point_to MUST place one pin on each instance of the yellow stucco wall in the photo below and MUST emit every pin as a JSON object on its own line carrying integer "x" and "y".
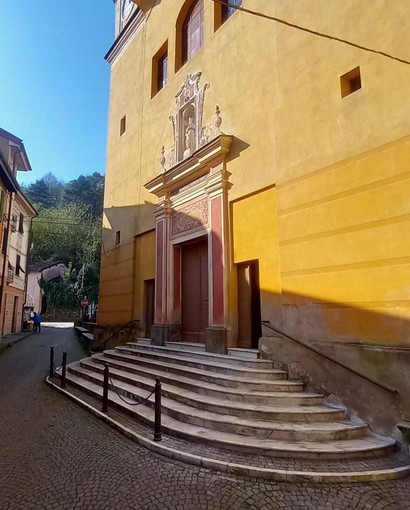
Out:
{"x": 255, "y": 237}
{"x": 339, "y": 164}
{"x": 116, "y": 285}
{"x": 345, "y": 250}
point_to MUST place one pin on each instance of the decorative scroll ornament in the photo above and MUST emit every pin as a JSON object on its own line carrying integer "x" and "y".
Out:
{"x": 186, "y": 118}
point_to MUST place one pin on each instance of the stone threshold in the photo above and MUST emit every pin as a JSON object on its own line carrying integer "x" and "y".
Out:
{"x": 288, "y": 470}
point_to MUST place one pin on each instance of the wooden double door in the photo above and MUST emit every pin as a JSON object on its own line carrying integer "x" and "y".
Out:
{"x": 194, "y": 290}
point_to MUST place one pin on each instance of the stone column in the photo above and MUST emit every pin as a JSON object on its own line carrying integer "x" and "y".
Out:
{"x": 160, "y": 330}
{"x": 218, "y": 242}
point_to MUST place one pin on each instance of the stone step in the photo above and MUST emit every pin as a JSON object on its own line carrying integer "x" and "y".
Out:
{"x": 225, "y": 393}
{"x": 143, "y": 341}
{"x": 243, "y": 353}
{"x": 213, "y": 413}
{"x": 206, "y": 356}
{"x": 239, "y": 409}
{"x": 190, "y": 346}
{"x": 224, "y": 380}
{"x": 220, "y": 368}
{"x": 368, "y": 447}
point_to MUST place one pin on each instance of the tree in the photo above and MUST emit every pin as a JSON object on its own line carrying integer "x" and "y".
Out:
{"x": 70, "y": 235}
{"x": 46, "y": 192}
{"x": 87, "y": 191}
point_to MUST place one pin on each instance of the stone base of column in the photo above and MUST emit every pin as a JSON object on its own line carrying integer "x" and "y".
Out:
{"x": 161, "y": 333}
{"x": 216, "y": 339}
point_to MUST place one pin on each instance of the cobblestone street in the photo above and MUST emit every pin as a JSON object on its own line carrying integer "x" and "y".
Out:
{"x": 56, "y": 456}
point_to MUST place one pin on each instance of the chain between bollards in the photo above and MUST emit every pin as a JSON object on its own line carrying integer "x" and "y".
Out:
{"x": 63, "y": 370}
{"x": 157, "y": 408}
{"x": 104, "y": 407}
{"x": 51, "y": 369}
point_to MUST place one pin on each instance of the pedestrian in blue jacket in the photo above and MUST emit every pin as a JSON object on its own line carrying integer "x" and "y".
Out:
{"x": 37, "y": 322}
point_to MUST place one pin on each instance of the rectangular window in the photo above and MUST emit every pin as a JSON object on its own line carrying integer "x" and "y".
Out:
{"x": 18, "y": 265}
{"x": 117, "y": 237}
{"x": 162, "y": 72}
{"x": 21, "y": 224}
{"x": 159, "y": 69}
{"x": 350, "y": 82}
{"x": 227, "y": 10}
{"x": 123, "y": 125}
{"x": 5, "y": 239}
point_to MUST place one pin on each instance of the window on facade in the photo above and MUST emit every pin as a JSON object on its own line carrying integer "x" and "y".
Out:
{"x": 193, "y": 30}
{"x": 350, "y": 82}
{"x": 4, "y": 241}
{"x": 160, "y": 70}
{"x": 123, "y": 125}
{"x": 21, "y": 224}
{"x": 117, "y": 237}
{"x": 227, "y": 11}
{"x": 18, "y": 265}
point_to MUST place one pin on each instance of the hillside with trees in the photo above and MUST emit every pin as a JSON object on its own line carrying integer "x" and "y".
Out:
{"x": 68, "y": 230}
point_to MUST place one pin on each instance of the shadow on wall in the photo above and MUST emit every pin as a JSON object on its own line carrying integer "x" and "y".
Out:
{"x": 118, "y": 263}
{"x": 375, "y": 343}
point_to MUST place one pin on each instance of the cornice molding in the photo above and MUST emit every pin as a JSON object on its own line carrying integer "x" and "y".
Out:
{"x": 125, "y": 37}
{"x": 191, "y": 168}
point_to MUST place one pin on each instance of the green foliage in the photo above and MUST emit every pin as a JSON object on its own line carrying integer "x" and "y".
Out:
{"x": 45, "y": 192}
{"x": 61, "y": 294}
{"x": 87, "y": 191}
{"x": 68, "y": 230}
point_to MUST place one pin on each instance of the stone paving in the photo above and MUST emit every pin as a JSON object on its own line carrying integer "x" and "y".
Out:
{"x": 56, "y": 456}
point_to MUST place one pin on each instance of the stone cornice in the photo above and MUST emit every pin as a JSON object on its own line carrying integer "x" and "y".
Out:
{"x": 125, "y": 37}
{"x": 191, "y": 168}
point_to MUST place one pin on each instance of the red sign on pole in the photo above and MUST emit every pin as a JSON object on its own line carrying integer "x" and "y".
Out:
{"x": 84, "y": 303}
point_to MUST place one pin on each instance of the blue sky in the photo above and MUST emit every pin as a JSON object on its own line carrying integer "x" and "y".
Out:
{"x": 54, "y": 82}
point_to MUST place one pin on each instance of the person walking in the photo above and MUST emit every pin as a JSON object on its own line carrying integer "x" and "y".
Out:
{"x": 37, "y": 322}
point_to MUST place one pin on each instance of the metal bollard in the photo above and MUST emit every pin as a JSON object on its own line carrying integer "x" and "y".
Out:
{"x": 63, "y": 370}
{"x": 157, "y": 408}
{"x": 51, "y": 369}
{"x": 104, "y": 407}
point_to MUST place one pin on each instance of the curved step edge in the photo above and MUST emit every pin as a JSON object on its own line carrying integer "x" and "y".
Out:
{"x": 239, "y": 469}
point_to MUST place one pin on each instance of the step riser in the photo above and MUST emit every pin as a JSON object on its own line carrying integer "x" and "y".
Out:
{"x": 226, "y": 369}
{"x": 259, "y": 414}
{"x": 187, "y": 346}
{"x": 243, "y": 353}
{"x": 286, "y": 435}
{"x": 227, "y": 360}
{"x": 212, "y": 423}
{"x": 237, "y": 447}
{"x": 255, "y": 385}
{"x": 249, "y": 450}
{"x": 202, "y": 389}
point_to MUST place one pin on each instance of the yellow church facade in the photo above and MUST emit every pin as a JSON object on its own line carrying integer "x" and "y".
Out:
{"x": 258, "y": 172}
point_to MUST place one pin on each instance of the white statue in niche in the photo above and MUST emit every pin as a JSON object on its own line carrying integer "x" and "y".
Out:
{"x": 189, "y": 138}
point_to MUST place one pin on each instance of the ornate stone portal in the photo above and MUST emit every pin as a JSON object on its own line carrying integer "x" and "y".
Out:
{"x": 192, "y": 190}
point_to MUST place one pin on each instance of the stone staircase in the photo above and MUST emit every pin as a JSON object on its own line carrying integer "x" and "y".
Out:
{"x": 238, "y": 405}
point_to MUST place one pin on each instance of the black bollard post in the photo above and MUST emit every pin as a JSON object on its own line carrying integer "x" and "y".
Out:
{"x": 63, "y": 370}
{"x": 51, "y": 369}
{"x": 157, "y": 409}
{"x": 104, "y": 407}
